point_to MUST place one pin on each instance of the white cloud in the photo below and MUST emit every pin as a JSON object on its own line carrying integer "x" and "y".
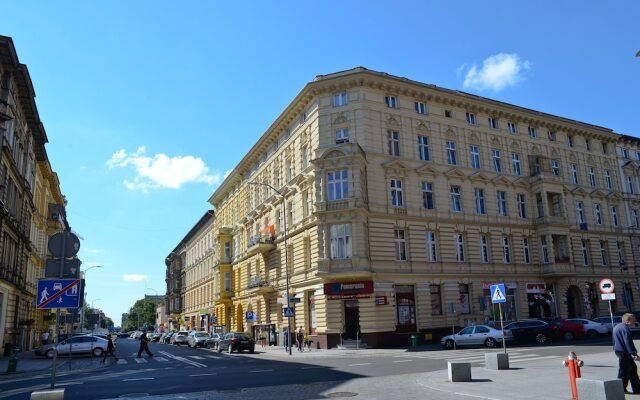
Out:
{"x": 134, "y": 277}
{"x": 498, "y": 72}
{"x": 227, "y": 174}
{"x": 162, "y": 171}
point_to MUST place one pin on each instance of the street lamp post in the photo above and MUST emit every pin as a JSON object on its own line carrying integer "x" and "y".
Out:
{"x": 94, "y": 300}
{"x": 82, "y": 275}
{"x": 286, "y": 256}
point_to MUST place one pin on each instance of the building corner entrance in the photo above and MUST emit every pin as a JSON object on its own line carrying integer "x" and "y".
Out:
{"x": 351, "y": 319}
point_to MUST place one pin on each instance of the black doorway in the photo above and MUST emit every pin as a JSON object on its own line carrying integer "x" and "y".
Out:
{"x": 351, "y": 319}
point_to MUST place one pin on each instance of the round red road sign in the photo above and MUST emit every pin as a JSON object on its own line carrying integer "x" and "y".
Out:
{"x": 606, "y": 286}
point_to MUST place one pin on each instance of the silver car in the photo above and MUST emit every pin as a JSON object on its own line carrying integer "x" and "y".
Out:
{"x": 84, "y": 344}
{"x": 180, "y": 338}
{"x": 197, "y": 339}
{"x": 476, "y": 335}
{"x": 616, "y": 320}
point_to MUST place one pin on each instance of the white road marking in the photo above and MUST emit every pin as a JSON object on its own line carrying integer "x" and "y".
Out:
{"x": 160, "y": 359}
{"x": 137, "y": 379}
{"x": 535, "y": 358}
{"x": 197, "y": 357}
{"x": 211, "y": 374}
{"x": 140, "y": 360}
{"x": 260, "y": 370}
{"x": 312, "y": 367}
{"x": 357, "y": 365}
{"x": 122, "y": 361}
{"x": 403, "y": 361}
{"x": 215, "y": 357}
{"x": 70, "y": 383}
{"x": 184, "y": 360}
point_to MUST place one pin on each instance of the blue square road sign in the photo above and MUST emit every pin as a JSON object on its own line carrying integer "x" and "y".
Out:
{"x": 58, "y": 293}
{"x": 498, "y": 293}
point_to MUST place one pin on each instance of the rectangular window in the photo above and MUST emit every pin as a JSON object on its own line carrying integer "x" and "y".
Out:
{"x": 603, "y": 253}
{"x": 551, "y": 135}
{"x": 597, "y": 214}
{"x": 436, "y": 299}
{"x": 394, "y": 143}
{"x": 456, "y": 202}
{"x": 340, "y": 238}
{"x": 292, "y": 216}
{"x": 506, "y": 250}
{"x": 544, "y": 250}
{"x": 604, "y": 148}
{"x": 526, "y": 254}
{"x": 625, "y": 153}
{"x": 391, "y": 101}
{"x": 607, "y": 179}
{"x": 532, "y": 132}
{"x": 475, "y": 156}
{"x": 580, "y": 212}
{"x": 423, "y": 147}
{"x": 584, "y": 248}
{"x": 635, "y": 218}
{"x": 638, "y": 155}
{"x": 305, "y": 204}
{"x": 495, "y": 154}
{"x": 397, "y": 199}
{"x": 513, "y": 128}
{"x": 574, "y": 174}
{"x": 432, "y": 250}
{"x": 227, "y": 250}
{"x": 515, "y": 162}
{"x": 421, "y": 108}
{"x": 227, "y": 281}
{"x": 337, "y": 185}
{"x": 539, "y": 205}
{"x": 522, "y": 205}
{"x": 471, "y": 118}
{"x": 620, "y": 248}
{"x": 592, "y": 177}
{"x": 502, "y": 203}
{"x": 630, "y": 184}
{"x": 427, "y": 196}
{"x": 306, "y": 156}
{"x": 342, "y": 136}
{"x": 614, "y": 216}
{"x": 451, "y": 153}
{"x": 484, "y": 249}
{"x": 448, "y": 114}
{"x": 479, "y": 195}
{"x": 493, "y": 123}
{"x": 555, "y": 167}
{"x": 340, "y": 99}
{"x": 587, "y": 144}
{"x": 401, "y": 245}
{"x": 459, "y": 247}
{"x": 570, "y": 140}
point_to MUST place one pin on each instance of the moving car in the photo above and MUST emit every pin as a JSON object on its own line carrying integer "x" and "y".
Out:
{"x": 236, "y": 341}
{"x": 167, "y": 338}
{"x": 180, "y": 338}
{"x": 565, "y": 329}
{"x": 592, "y": 328}
{"x": 616, "y": 320}
{"x": 84, "y": 344}
{"x": 476, "y": 335}
{"x": 530, "y": 331}
{"x": 197, "y": 339}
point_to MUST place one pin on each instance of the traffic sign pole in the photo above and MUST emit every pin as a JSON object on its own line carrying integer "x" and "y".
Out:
{"x": 504, "y": 342}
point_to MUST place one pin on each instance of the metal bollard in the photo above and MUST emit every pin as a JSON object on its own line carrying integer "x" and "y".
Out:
{"x": 13, "y": 361}
{"x": 574, "y": 365}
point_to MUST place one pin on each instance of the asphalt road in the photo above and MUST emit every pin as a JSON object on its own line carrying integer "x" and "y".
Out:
{"x": 176, "y": 369}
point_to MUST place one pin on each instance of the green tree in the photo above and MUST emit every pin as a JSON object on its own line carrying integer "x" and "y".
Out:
{"x": 143, "y": 313}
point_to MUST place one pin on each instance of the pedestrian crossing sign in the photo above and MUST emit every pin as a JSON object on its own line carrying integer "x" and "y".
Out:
{"x": 498, "y": 293}
{"x": 289, "y": 312}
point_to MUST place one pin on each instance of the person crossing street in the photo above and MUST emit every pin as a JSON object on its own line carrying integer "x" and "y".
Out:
{"x": 111, "y": 348}
{"x": 626, "y": 352}
{"x": 144, "y": 344}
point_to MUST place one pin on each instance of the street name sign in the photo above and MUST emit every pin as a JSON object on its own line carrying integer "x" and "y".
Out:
{"x": 58, "y": 293}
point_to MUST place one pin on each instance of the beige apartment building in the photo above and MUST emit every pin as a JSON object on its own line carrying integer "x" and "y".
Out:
{"x": 404, "y": 202}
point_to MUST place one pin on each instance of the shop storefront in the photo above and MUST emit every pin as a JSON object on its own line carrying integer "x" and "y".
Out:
{"x": 540, "y": 300}
{"x": 349, "y": 293}
{"x": 509, "y": 309}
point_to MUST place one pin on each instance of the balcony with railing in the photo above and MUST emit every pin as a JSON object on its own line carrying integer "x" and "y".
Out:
{"x": 260, "y": 244}
{"x": 558, "y": 269}
{"x": 260, "y": 284}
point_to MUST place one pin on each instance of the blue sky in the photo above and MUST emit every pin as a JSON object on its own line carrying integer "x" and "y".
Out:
{"x": 147, "y": 104}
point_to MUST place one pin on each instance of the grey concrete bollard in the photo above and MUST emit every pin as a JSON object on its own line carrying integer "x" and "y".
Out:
{"x": 593, "y": 389}
{"x": 459, "y": 371}
{"x": 53, "y": 394}
{"x": 496, "y": 360}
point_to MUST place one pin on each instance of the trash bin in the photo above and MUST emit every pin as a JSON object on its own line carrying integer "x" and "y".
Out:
{"x": 7, "y": 349}
{"x": 414, "y": 341}
{"x": 13, "y": 364}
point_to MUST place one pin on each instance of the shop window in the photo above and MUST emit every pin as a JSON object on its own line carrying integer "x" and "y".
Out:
{"x": 508, "y": 309}
{"x": 436, "y": 299}
{"x": 465, "y": 308}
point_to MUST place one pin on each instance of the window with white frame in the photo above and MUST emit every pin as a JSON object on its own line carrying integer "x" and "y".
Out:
{"x": 401, "y": 245}
{"x": 456, "y": 201}
{"x": 394, "y": 143}
{"x": 592, "y": 177}
{"x": 420, "y": 107}
{"x": 526, "y": 253}
{"x": 522, "y": 205}
{"x": 492, "y": 123}
{"x": 574, "y": 174}
{"x": 337, "y": 185}
{"x": 432, "y": 249}
{"x": 428, "y": 201}
{"x": 451, "y": 153}
{"x": 570, "y": 140}
{"x": 614, "y": 216}
{"x": 479, "y": 197}
{"x": 630, "y": 184}
{"x": 607, "y": 179}
{"x": 459, "y": 240}
{"x": 340, "y": 238}
{"x": 423, "y": 147}
{"x": 397, "y": 198}
{"x": 515, "y": 163}
{"x": 620, "y": 248}
{"x": 603, "y": 253}
{"x": 506, "y": 250}
{"x": 544, "y": 251}
{"x": 484, "y": 249}
{"x": 495, "y": 155}
{"x": 532, "y": 132}
{"x": 597, "y": 214}
{"x": 513, "y": 128}
{"x": 584, "y": 248}
{"x": 475, "y": 156}
{"x": 555, "y": 167}
{"x": 342, "y": 136}
{"x": 340, "y": 99}
{"x": 502, "y": 202}
{"x": 580, "y": 212}
{"x": 391, "y": 101}
{"x": 471, "y": 118}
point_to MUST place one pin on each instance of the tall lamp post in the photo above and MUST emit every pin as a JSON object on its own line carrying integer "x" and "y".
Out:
{"x": 286, "y": 255}
{"x": 82, "y": 275}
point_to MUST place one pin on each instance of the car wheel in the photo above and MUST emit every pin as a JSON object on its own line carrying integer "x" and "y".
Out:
{"x": 50, "y": 353}
{"x": 592, "y": 334}
{"x": 568, "y": 336}
{"x": 541, "y": 338}
{"x": 448, "y": 344}
{"x": 490, "y": 342}
{"x": 97, "y": 352}
{"x": 252, "y": 351}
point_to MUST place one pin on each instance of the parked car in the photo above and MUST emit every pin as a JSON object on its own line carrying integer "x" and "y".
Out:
{"x": 180, "y": 338}
{"x": 167, "y": 338}
{"x": 136, "y": 335}
{"x": 123, "y": 335}
{"x": 565, "y": 329}
{"x": 592, "y": 328}
{"x": 84, "y": 344}
{"x": 155, "y": 336}
{"x": 236, "y": 341}
{"x": 616, "y": 320}
{"x": 476, "y": 335}
{"x": 214, "y": 339}
{"x": 530, "y": 331}
{"x": 197, "y": 339}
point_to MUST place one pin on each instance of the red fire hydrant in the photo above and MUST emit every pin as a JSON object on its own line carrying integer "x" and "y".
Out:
{"x": 574, "y": 365}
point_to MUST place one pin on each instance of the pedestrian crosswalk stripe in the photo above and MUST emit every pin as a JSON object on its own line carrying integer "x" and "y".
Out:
{"x": 197, "y": 357}
{"x": 214, "y": 357}
{"x": 161, "y": 359}
{"x": 535, "y": 358}
{"x": 140, "y": 360}
{"x": 122, "y": 361}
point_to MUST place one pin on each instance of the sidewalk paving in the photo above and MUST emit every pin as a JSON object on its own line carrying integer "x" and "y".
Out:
{"x": 28, "y": 364}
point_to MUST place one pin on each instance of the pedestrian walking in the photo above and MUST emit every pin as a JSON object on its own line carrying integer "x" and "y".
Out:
{"x": 111, "y": 348}
{"x": 45, "y": 337}
{"x": 262, "y": 337}
{"x": 307, "y": 342}
{"x": 286, "y": 338}
{"x": 300, "y": 339}
{"x": 626, "y": 352}
{"x": 144, "y": 344}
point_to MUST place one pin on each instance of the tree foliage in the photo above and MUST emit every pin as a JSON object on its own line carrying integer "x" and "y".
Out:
{"x": 141, "y": 315}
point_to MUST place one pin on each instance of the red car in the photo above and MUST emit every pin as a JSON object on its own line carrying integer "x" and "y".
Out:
{"x": 566, "y": 330}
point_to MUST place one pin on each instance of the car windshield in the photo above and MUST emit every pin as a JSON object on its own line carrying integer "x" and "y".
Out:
{"x": 242, "y": 336}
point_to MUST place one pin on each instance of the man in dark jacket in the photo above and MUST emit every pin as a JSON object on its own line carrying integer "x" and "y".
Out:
{"x": 626, "y": 352}
{"x": 110, "y": 349}
{"x": 144, "y": 344}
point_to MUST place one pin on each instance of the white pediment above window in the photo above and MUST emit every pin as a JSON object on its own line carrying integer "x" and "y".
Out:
{"x": 479, "y": 177}
{"x": 455, "y": 173}
{"x": 501, "y": 179}
{"x": 393, "y": 121}
{"x": 427, "y": 170}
